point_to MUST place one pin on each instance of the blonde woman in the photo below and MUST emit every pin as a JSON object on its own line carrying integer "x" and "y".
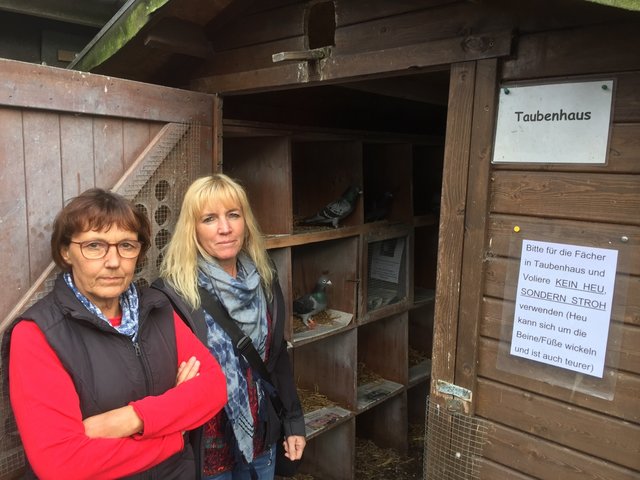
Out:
{"x": 217, "y": 246}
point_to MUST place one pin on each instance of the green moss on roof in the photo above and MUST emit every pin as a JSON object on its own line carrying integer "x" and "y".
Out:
{"x": 116, "y": 34}
{"x": 626, "y": 4}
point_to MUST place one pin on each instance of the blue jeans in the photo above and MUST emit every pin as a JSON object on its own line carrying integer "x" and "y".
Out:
{"x": 264, "y": 465}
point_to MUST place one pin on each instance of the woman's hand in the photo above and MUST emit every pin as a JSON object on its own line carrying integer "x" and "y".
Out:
{"x": 294, "y": 446}
{"x": 118, "y": 423}
{"x": 187, "y": 370}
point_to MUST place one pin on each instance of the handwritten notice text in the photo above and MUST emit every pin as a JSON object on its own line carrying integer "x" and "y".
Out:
{"x": 563, "y": 305}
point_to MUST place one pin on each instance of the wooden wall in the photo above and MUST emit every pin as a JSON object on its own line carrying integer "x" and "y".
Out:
{"x": 538, "y": 429}
{"x": 63, "y": 132}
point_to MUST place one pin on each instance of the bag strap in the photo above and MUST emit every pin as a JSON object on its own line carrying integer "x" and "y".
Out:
{"x": 242, "y": 342}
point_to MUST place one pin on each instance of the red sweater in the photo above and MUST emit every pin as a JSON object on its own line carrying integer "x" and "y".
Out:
{"x": 47, "y": 411}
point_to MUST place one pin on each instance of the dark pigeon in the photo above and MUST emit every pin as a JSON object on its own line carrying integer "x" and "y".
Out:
{"x": 338, "y": 209}
{"x": 312, "y": 303}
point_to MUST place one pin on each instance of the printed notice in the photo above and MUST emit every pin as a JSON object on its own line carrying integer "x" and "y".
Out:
{"x": 563, "y": 305}
{"x": 386, "y": 259}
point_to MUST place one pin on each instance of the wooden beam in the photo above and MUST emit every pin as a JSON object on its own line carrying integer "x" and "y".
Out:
{"x": 179, "y": 36}
{"x": 49, "y": 89}
{"x": 484, "y": 113}
{"x": 338, "y": 67}
{"x": 421, "y": 55}
{"x": 452, "y": 216}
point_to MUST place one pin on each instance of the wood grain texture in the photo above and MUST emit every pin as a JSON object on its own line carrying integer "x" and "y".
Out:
{"x": 547, "y": 419}
{"x": 539, "y": 459}
{"x": 607, "y": 198}
{"x": 475, "y": 222}
{"x": 533, "y": 377}
{"x": 503, "y": 242}
{"x": 76, "y": 139}
{"x": 43, "y": 175}
{"x": 84, "y": 93}
{"x": 572, "y": 52}
{"x": 500, "y": 282}
{"x": 14, "y": 235}
{"x": 452, "y": 212}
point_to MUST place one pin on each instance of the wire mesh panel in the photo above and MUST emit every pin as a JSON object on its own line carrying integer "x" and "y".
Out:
{"x": 156, "y": 184}
{"x": 453, "y": 444}
{"x": 160, "y": 197}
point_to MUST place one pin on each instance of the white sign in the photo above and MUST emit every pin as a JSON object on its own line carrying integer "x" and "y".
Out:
{"x": 563, "y": 305}
{"x": 559, "y": 123}
{"x": 386, "y": 260}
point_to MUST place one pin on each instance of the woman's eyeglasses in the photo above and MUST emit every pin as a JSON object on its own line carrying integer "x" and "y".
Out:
{"x": 96, "y": 249}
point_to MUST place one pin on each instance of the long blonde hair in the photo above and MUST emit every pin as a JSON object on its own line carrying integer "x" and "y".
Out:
{"x": 180, "y": 263}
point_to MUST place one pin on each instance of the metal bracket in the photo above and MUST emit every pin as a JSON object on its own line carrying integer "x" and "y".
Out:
{"x": 302, "y": 55}
{"x": 451, "y": 389}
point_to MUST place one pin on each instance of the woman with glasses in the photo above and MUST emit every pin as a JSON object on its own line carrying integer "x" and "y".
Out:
{"x": 105, "y": 378}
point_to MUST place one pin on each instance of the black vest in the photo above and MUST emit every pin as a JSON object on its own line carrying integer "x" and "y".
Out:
{"x": 108, "y": 370}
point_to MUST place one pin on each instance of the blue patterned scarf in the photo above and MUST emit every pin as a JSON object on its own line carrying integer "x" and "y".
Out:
{"x": 246, "y": 304}
{"x": 128, "y": 305}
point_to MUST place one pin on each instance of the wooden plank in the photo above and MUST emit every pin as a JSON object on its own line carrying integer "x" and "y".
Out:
{"x": 351, "y": 12}
{"x": 206, "y": 151}
{"x": 387, "y": 335}
{"x": 623, "y": 352}
{"x": 252, "y": 57}
{"x": 320, "y": 366}
{"x": 476, "y": 222}
{"x": 419, "y": 27}
{"x": 349, "y": 66}
{"x": 627, "y": 101}
{"x": 623, "y": 156}
{"x": 451, "y": 233}
{"x": 213, "y": 161}
{"x": 255, "y": 80}
{"x": 165, "y": 139}
{"x": 572, "y": 52}
{"x": 42, "y": 166}
{"x": 504, "y": 243}
{"x": 489, "y": 470}
{"x": 415, "y": 56}
{"x": 626, "y": 295}
{"x": 135, "y": 138}
{"x": 260, "y": 27}
{"x": 76, "y": 138}
{"x": 14, "y": 235}
{"x": 544, "y": 460}
{"x": 623, "y": 405}
{"x": 263, "y": 165}
{"x": 48, "y": 88}
{"x": 606, "y": 198}
{"x": 108, "y": 151}
{"x": 583, "y": 430}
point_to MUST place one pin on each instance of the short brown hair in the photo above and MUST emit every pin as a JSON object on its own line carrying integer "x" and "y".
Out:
{"x": 97, "y": 209}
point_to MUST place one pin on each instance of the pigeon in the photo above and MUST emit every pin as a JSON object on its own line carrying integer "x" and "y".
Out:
{"x": 378, "y": 207}
{"x": 338, "y": 209}
{"x": 311, "y": 303}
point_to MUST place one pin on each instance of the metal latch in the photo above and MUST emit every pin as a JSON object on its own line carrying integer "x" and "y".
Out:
{"x": 461, "y": 395}
{"x": 301, "y": 55}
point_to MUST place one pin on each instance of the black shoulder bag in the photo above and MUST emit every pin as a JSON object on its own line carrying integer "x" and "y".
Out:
{"x": 244, "y": 345}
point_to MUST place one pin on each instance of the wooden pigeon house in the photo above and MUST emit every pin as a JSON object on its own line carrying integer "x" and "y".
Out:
{"x": 486, "y": 285}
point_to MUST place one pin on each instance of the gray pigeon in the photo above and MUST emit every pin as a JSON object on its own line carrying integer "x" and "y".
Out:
{"x": 338, "y": 209}
{"x": 311, "y": 303}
